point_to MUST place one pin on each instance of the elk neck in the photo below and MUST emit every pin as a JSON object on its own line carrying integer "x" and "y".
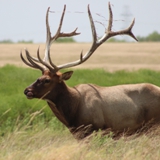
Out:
{"x": 64, "y": 104}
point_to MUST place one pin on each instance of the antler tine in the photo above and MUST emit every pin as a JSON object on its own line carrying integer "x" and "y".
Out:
{"x": 51, "y": 63}
{"x": 109, "y": 33}
{"x": 34, "y": 58}
{"x": 61, "y": 34}
{"x": 94, "y": 34}
{"x": 25, "y": 60}
{"x": 58, "y": 34}
{"x": 31, "y": 60}
{"x": 31, "y": 64}
{"x": 110, "y": 18}
{"x": 43, "y": 62}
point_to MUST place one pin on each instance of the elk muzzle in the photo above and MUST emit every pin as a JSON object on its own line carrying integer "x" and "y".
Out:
{"x": 29, "y": 93}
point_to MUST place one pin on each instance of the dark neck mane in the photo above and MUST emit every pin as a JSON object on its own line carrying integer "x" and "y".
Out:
{"x": 65, "y": 104}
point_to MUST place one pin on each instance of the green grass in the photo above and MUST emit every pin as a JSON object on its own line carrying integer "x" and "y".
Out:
{"x": 103, "y": 78}
{"x": 29, "y": 130}
{"x": 15, "y": 106}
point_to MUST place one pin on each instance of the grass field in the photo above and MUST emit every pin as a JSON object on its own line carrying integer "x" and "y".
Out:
{"x": 29, "y": 130}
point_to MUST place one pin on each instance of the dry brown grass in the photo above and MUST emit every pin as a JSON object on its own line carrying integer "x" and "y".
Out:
{"x": 46, "y": 145}
{"x": 110, "y": 56}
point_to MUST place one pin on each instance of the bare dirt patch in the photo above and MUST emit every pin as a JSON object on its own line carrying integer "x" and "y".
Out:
{"x": 109, "y": 56}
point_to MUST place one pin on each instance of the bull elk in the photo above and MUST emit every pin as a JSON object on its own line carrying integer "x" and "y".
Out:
{"x": 122, "y": 107}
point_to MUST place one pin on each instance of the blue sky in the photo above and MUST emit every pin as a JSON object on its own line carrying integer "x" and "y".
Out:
{"x": 25, "y": 19}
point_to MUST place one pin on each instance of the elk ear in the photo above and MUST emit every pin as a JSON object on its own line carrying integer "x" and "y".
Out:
{"x": 66, "y": 75}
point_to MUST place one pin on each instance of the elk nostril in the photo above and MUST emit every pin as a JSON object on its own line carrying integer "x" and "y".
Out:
{"x": 28, "y": 92}
{"x": 25, "y": 91}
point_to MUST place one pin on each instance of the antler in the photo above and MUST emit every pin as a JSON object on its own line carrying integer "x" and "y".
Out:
{"x": 96, "y": 42}
{"x": 49, "y": 40}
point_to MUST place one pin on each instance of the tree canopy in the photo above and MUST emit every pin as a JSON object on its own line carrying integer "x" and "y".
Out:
{"x": 153, "y": 37}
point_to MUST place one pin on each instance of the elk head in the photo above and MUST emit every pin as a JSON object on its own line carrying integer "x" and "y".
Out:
{"x": 50, "y": 72}
{"x": 51, "y": 78}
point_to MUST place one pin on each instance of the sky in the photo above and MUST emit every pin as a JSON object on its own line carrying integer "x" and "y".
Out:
{"x": 25, "y": 19}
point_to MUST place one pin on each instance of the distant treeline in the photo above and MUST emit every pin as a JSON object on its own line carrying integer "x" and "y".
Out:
{"x": 60, "y": 40}
{"x": 153, "y": 37}
{"x": 10, "y": 41}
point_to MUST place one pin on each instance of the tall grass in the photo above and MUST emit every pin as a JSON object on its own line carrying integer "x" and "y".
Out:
{"x": 46, "y": 144}
{"x": 29, "y": 130}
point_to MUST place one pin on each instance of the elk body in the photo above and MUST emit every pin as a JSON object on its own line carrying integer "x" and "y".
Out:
{"x": 122, "y": 107}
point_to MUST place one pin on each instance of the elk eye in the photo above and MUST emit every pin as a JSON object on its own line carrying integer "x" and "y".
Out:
{"x": 47, "y": 80}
